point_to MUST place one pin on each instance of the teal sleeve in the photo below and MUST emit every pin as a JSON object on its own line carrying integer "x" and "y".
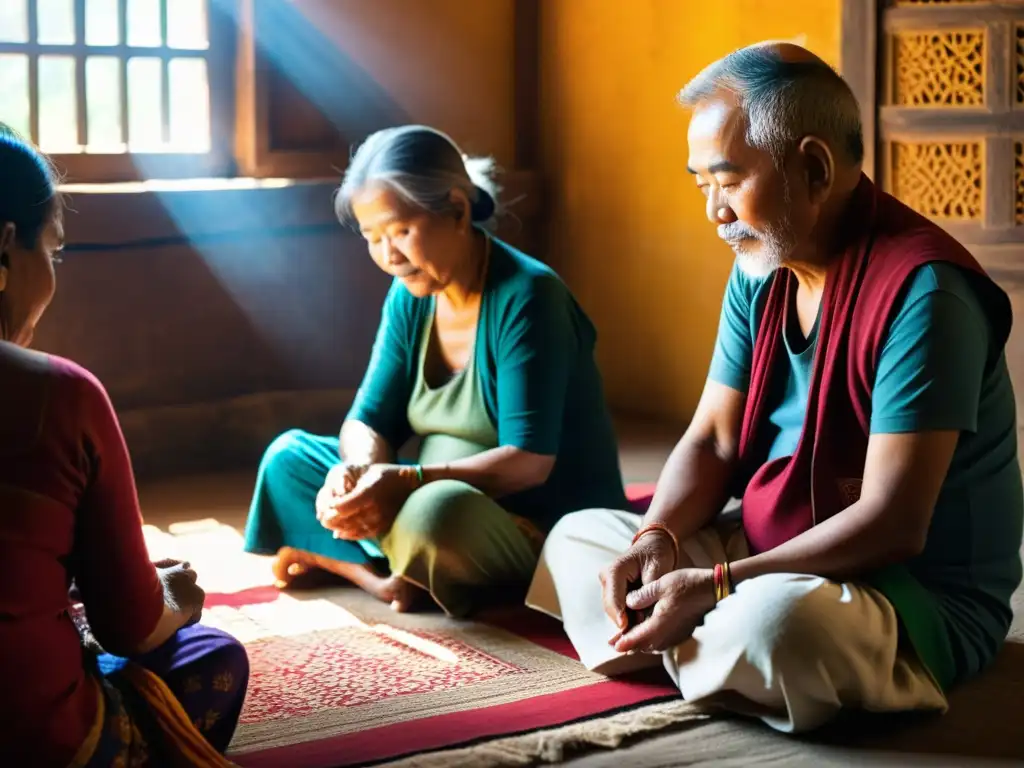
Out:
{"x": 932, "y": 365}
{"x": 734, "y": 346}
{"x": 383, "y": 398}
{"x": 536, "y": 351}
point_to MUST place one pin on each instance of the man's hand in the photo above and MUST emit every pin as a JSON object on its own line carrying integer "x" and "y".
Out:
{"x": 680, "y": 601}
{"x": 369, "y": 509}
{"x": 644, "y": 562}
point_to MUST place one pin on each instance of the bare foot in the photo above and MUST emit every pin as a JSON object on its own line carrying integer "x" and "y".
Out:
{"x": 296, "y": 568}
{"x": 400, "y": 594}
{"x": 403, "y": 595}
{"x": 291, "y": 564}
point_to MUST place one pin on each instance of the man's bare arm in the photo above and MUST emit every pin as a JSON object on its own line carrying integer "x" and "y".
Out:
{"x": 903, "y": 475}
{"x": 693, "y": 486}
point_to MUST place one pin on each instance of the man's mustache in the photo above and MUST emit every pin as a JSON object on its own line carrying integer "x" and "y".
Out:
{"x": 735, "y": 231}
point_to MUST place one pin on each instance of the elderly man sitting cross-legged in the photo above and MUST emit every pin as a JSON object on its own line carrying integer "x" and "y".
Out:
{"x": 858, "y": 403}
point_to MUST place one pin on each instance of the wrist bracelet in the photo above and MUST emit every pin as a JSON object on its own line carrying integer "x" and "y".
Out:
{"x": 653, "y": 527}
{"x": 723, "y": 581}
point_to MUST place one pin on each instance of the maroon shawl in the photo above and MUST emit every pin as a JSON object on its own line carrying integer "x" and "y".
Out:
{"x": 883, "y": 243}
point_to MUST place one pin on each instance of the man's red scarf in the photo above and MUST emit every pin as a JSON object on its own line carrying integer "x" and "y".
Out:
{"x": 885, "y": 242}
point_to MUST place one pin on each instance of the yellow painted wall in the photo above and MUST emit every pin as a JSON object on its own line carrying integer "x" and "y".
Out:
{"x": 627, "y": 225}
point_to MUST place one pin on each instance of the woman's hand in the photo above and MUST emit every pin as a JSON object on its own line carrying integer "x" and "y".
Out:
{"x": 644, "y": 562}
{"x": 343, "y": 477}
{"x": 680, "y": 600}
{"x": 181, "y": 592}
{"x": 341, "y": 480}
{"x": 369, "y": 509}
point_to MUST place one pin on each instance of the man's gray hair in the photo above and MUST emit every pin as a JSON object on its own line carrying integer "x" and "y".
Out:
{"x": 784, "y": 101}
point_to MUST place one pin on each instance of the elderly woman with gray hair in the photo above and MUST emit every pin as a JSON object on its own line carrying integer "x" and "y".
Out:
{"x": 485, "y": 356}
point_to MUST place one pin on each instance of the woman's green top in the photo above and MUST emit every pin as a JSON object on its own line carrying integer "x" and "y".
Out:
{"x": 534, "y": 361}
{"x": 452, "y": 417}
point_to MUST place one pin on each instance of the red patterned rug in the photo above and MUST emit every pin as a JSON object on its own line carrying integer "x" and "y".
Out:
{"x": 339, "y": 679}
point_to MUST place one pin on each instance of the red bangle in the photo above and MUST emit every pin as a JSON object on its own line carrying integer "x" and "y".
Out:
{"x": 651, "y": 528}
{"x": 723, "y": 581}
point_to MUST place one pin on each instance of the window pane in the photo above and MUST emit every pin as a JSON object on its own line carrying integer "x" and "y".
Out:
{"x": 186, "y": 25}
{"x": 14, "y": 21}
{"x": 144, "y": 105}
{"x": 14, "y": 91}
{"x": 58, "y": 120}
{"x": 190, "y": 105}
{"x": 56, "y": 20}
{"x": 102, "y": 26}
{"x": 103, "y": 104}
{"x": 144, "y": 23}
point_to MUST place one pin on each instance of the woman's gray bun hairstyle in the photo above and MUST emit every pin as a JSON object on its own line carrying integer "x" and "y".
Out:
{"x": 423, "y": 165}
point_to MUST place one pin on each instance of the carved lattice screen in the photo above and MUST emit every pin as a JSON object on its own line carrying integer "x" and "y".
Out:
{"x": 951, "y": 118}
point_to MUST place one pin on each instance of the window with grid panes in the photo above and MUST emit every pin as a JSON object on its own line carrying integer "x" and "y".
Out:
{"x": 115, "y": 89}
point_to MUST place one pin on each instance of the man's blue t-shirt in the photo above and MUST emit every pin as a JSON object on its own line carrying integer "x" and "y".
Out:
{"x": 938, "y": 370}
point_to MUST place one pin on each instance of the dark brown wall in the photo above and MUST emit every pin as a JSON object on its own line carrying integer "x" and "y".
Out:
{"x": 184, "y": 297}
{"x": 187, "y": 304}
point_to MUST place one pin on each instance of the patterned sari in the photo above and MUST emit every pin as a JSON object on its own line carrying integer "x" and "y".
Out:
{"x": 175, "y": 706}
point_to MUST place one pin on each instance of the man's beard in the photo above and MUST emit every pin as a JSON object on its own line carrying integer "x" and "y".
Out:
{"x": 776, "y": 244}
{"x": 776, "y": 240}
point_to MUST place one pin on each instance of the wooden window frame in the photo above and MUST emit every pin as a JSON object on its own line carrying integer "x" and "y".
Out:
{"x": 240, "y": 77}
{"x": 858, "y": 64}
{"x": 119, "y": 167}
{"x": 254, "y": 148}
{"x": 242, "y": 82}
